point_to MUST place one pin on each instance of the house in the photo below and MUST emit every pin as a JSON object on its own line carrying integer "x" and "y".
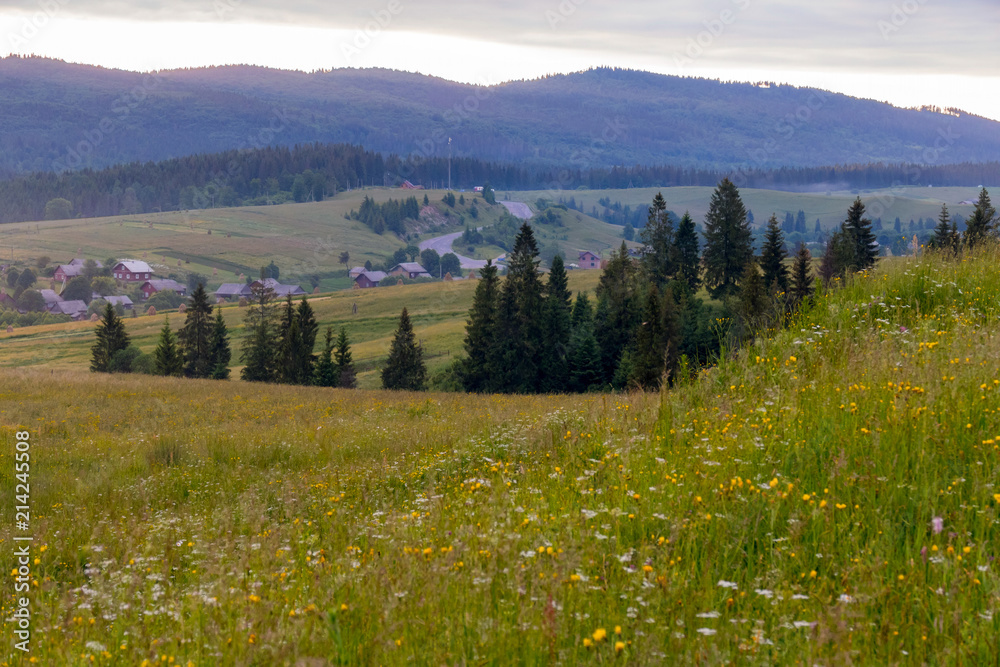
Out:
{"x": 232, "y": 291}
{"x": 132, "y": 271}
{"x": 356, "y": 271}
{"x": 370, "y": 279}
{"x": 51, "y": 299}
{"x": 279, "y": 290}
{"x": 123, "y": 301}
{"x": 409, "y": 270}
{"x": 7, "y": 301}
{"x": 75, "y": 309}
{"x": 151, "y": 287}
{"x": 410, "y": 186}
{"x": 589, "y": 260}
{"x": 69, "y": 271}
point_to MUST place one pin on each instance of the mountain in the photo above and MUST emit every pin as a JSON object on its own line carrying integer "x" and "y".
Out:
{"x": 56, "y": 116}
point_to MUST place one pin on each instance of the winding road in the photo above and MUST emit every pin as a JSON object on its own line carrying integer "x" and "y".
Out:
{"x": 442, "y": 244}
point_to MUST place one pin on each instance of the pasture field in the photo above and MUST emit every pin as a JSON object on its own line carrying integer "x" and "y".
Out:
{"x": 829, "y": 207}
{"x": 825, "y": 496}
{"x": 438, "y": 312}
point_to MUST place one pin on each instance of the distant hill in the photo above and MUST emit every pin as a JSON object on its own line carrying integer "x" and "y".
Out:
{"x": 55, "y": 115}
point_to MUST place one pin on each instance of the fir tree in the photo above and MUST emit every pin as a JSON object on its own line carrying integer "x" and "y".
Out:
{"x": 754, "y": 307}
{"x": 258, "y": 354}
{"x": 347, "y": 376}
{"x": 219, "y": 353}
{"x": 585, "y": 368}
{"x": 194, "y": 336}
{"x": 521, "y": 309}
{"x": 728, "y": 238}
{"x": 861, "y": 240}
{"x": 687, "y": 259}
{"x": 802, "y": 283}
{"x": 289, "y": 345}
{"x": 326, "y": 369}
{"x": 556, "y": 330}
{"x": 658, "y": 241}
{"x": 648, "y": 362}
{"x": 404, "y": 369}
{"x": 773, "y": 256}
{"x": 941, "y": 238}
{"x": 980, "y": 225}
{"x": 167, "y": 359}
{"x": 308, "y": 328}
{"x": 111, "y": 338}
{"x": 617, "y": 310}
{"x": 479, "y": 367}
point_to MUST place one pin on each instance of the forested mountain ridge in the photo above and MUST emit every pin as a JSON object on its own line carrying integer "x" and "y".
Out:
{"x": 56, "y": 116}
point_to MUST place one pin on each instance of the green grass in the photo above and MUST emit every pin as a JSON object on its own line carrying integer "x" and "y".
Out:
{"x": 780, "y": 508}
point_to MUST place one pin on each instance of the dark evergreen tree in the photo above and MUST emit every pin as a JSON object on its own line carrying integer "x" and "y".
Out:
{"x": 111, "y": 338}
{"x": 658, "y": 242}
{"x": 801, "y": 287}
{"x": 404, "y": 369}
{"x": 219, "y": 353}
{"x": 687, "y": 258}
{"x": 308, "y": 328}
{"x": 195, "y": 335}
{"x": 980, "y": 224}
{"x": 857, "y": 230}
{"x": 480, "y": 368}
{"x": 585, "y": 367}
{"x": 326, "y": 369}
{"x": 288, "y": 345}
{"x": 167, "y": 358}
{"x": 556, "y": 330}
{"x": 728, "y": 238}
{"x": 942, "y": 237}
{"x": 521, "y": 316}
{"x": 656, "y": 340}
{"x": 773, "y": 256}
{"x": 618, "y": 310}
{"x": 258, "y": 354}
{"x": 347, "y": 376}
{"x": 755, "y": 309}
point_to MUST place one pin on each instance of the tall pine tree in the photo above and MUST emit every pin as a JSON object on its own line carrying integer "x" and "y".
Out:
{"x": 728, "y": 246}
{"x": 167, "y": 359}
{"x": 521, "y": 316}
{"x": 347, "y": 376}
{"x": 585, "y": 367}
{"x": 802, "y": 283}
{"x": 195, "y": 335}
{"x": 289, "y": 345}
{"x": 219, "y": 353}
{"x": 618, "y": 310}
{"x": 658, "y": 242}
{"x": 258, "y": 354}
{"x": 404, "y": 369}
{"x": 773, "y": 256}
{"x": 308, "y": 328}
{"x": 326, "y": 369}
{"x": 687, "y": 258}
{"x": 861, "y": 240}
{"x": 111, "y": 338}
{"x": 942, "y": 238}
{"x": 556, "y": 330}
{"x": 480, "y": 367}
{"x": 980, "y": 224}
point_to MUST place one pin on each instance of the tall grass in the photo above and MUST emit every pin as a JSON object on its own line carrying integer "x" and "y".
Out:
{"x": 781, "y": 508}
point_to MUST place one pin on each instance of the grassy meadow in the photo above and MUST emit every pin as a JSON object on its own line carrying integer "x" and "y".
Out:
{"x": 825, "y": 496}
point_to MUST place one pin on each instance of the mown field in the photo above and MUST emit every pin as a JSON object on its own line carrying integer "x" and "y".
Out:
{"x": 438, "y": 312}
{"x": 827, "y": 496}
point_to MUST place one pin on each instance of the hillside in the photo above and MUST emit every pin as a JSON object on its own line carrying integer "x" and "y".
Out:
{"x": 598, "y": 118}
{"x": 824, "y": 497}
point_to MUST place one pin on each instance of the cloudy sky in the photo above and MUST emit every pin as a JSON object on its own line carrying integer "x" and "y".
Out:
{"x": 907, "y": 52}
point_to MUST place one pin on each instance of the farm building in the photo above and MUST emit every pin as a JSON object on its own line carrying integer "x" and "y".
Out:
{"x": 51, "y": 299}
{"x": 123, "y": 301}
{"x": 370, "y": 279}
{"x": 409, "y": 270}
{"x": 151, "y": 287}
{"x": 132, "y": 271}
{"x": 75, "y": 309}
{"x": 69, "y": 271}
{"x": 589, "y": 260}
{"x": 356, "y": 271}
{"x": 279, "y": 290}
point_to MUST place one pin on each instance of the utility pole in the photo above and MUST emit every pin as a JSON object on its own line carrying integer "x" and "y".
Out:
{"x": 449, "y": 164}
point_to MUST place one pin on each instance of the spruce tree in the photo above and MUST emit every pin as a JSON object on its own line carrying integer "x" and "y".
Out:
{"x": 941, "y": 238}
{"x": 111, "y": 338}
{"x": 347, "y": 376}
{"x": 980, "y": 225}
{"x": 618, "y": 310}
{"x": 828, "y": 269}
{"x": 480, "y": 367}
{"x": 193, "y": 337}
{"x": 658, "y": 242}
{"x": 326, "y": 369}
{"x": 556, "y": 330}
{"x": 754, "y": 309}
{"x": 167, "y": 358}
{"x": 585, "y": 367}
{"x": 687, "y": 259}
{"x": 289, "y": 345}
{"x": 773, "y": 256}
{"x": 860, "y": 239}
{"x": 404, "y": 369}
{"x": 801, "y": 284}
{"x": 521, "y": 309}
{"x": 728, "y": 238}
{"x": 258, "y": 354}
{"x": 308, "y": 328}
{"x": 219, "y": 353}
{"x": 648, "y": 361}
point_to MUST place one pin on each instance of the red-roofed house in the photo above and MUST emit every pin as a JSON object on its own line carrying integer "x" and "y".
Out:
{"x": 132, "y": 271}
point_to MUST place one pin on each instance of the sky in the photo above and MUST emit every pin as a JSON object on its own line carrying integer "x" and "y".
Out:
{"x": 906, "y": 52}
